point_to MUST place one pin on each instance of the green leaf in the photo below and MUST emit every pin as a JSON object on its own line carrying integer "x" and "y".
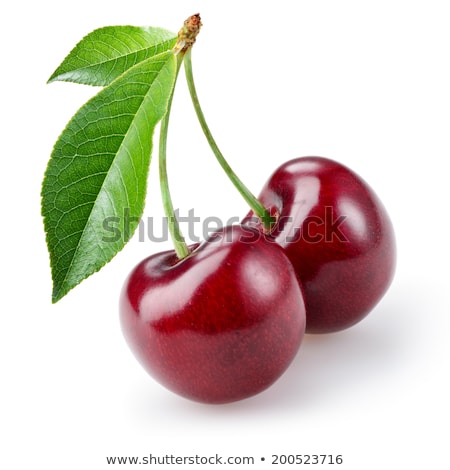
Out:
{"x": 97, "y": 174}
{"x": 105, "y": 53}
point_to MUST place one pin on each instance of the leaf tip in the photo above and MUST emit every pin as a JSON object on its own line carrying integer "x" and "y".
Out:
{"x": 55, "y": 76}
{"x": 58, "y": 293}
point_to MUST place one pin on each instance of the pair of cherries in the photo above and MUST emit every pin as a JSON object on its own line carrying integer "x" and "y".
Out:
{"x": 225, "y": 322}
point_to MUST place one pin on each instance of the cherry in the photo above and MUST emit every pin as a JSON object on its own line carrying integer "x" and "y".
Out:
{"x": 219, "y": 325}
{"x": 337, "y": 235}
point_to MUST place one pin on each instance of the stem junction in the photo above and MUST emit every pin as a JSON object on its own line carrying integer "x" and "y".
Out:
{"x": 186, "y": 39}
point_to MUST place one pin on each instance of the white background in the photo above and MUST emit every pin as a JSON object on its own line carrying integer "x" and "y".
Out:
{"x": 365, "y": 83}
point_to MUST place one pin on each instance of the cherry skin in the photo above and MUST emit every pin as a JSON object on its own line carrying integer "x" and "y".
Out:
{"x": 338, "y": 236}
{"x": 221, "y": 324}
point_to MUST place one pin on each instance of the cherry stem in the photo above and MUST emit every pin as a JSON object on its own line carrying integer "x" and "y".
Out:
{"x": 255, "y": 205}
{"x": 181, "y": 249}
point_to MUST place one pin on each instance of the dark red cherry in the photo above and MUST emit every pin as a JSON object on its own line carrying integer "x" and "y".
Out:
{"x": 221, "y": 324}
{"x": 338, "y": 236}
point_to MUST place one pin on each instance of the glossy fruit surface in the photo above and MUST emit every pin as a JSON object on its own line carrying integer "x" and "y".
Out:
{"x": 219, "y": 325}
{"x": 338, "y": 236}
